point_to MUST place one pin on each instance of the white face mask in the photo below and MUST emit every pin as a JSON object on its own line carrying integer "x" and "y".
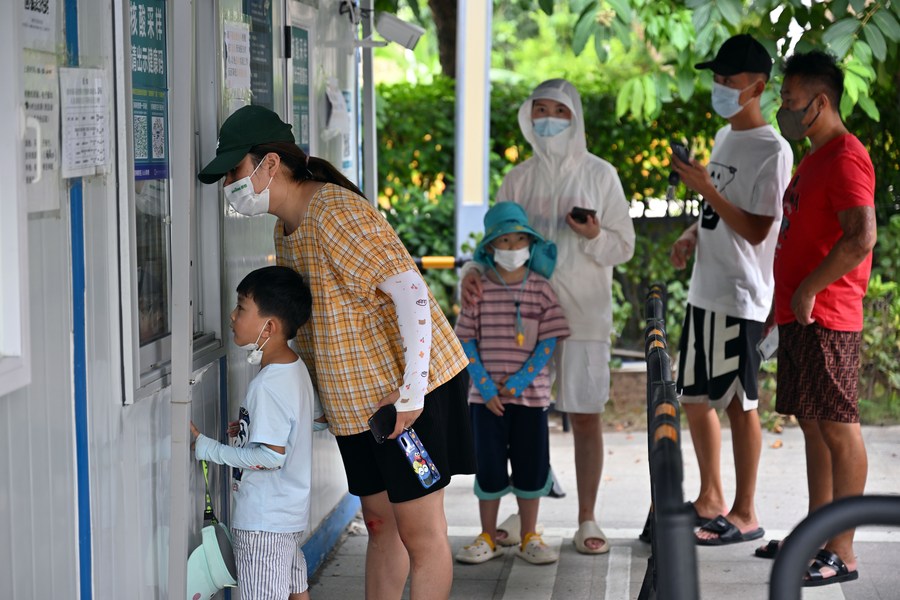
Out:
{"x": 550, "y": 126}
{"x": 255, "y": 353}
{"x": 726, "y": 101}
{"x": 510, "y": 260}
{"x": 244, "y": 199}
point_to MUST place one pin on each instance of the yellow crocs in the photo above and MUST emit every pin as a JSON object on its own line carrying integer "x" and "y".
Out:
{"x": 481, "y": 550}
{"x": 535, "y": 551}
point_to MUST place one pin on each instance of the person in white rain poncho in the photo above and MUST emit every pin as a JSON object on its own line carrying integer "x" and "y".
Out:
{"x": 561, "y": 176}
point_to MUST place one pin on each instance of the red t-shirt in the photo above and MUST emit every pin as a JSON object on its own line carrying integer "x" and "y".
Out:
{"x": 837, "y": 176}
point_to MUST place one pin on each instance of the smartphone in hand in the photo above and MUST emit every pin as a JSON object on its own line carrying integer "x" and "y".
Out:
{"x": 580, "y": 215}
{"x": 681, "y": 152}
{"x": 418, "y": 458}
{"x": 382, "y": 423}
{"x": 768, "y": 346}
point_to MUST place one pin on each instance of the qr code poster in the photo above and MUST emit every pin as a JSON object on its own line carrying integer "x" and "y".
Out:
{"x": 140, "y": 137}
{"x": 39, "y": 27}
{"x": 150, "y": 133}
{"x": 158, "y": 145}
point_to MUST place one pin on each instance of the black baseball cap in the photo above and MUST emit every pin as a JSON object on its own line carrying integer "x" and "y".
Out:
{"x": 739, "y": 54}
{"x": 247, "y": 127}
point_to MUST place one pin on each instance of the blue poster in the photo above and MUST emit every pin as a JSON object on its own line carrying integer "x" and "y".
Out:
{"x": 149, "y": 95}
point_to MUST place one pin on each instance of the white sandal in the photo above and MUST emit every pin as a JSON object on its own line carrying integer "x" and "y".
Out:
{"x": 589, "y": 530}
{"x": 535, "y": 551}
{"x": 513, "y": 528}
{"x": 479, "y": 551}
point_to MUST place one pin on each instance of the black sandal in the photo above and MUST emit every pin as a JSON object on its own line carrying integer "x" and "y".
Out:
{"x": 825, "y": 558}
{"x": 770, "y": 550}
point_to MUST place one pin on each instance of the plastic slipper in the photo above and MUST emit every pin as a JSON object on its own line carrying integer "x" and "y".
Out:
{"x": 513, "y": 528}
{"x": 535, "y": 551}
{"x": 589, "y": 530}
{"x": 825, "y": 558}
{"x": 479, "y": 551}
{"x": 770, "y": 550}
{"x": 727, "y": 533}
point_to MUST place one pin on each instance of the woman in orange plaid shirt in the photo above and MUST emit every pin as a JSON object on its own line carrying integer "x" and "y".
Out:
{"x": 376, "y": 336}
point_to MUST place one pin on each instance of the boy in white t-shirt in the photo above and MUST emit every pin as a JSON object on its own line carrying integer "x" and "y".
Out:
{"x": 731, "y": 285}
{"x": 272, "y": 456}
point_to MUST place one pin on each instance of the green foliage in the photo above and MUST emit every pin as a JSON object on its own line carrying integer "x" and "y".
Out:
{"x": 667, "y": 37}
{"x": 879, "y": 381}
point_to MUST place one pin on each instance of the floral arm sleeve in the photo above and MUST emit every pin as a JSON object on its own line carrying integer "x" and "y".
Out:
{"x": 520, "y": 380}
{"x": 477, "y": 372}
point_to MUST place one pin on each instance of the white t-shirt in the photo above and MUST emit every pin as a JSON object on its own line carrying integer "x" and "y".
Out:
{"x": 278, "y": 410}
{"x": 751, "y": 169}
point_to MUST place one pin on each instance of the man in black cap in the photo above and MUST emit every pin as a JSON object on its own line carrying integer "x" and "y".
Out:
{"x": 731, "y": 286}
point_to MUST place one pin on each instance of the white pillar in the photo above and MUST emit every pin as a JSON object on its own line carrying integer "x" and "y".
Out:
{"x": 369, "y": 133}
{"x": 182, "y": 170}
{"x": 473, "y": 123}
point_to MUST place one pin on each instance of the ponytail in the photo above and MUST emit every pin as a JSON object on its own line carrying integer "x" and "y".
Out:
{"x": 303, "y": 167}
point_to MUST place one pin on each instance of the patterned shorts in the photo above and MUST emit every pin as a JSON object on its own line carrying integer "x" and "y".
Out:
{"x": 818, "y": 373}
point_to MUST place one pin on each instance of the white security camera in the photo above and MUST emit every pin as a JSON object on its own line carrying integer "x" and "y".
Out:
{"x": 394, "y": 29}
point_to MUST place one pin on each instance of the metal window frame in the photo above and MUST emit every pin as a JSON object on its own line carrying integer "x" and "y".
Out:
{"x": 148, "y": 369}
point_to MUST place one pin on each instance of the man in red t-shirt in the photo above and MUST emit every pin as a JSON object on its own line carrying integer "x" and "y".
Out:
{"x": 822, "y": 264}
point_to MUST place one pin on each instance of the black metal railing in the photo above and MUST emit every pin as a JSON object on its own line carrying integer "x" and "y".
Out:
{"x": 673, "y": 556}
{"x": 440, "y": 262}
{"x": 805, "y": 540}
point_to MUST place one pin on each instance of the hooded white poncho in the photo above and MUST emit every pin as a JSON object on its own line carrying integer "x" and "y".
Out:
{"x": 560, "y": 175}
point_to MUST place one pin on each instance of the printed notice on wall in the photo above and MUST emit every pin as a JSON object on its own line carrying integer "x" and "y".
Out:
{"x": 39, "y": 25}
{"x": 237, "y": 55}
{"x": 41, "y": 136}
{"x": 85, "y": 129}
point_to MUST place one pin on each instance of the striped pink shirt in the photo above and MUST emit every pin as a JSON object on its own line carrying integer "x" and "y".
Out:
{"x": 492, "y": 323}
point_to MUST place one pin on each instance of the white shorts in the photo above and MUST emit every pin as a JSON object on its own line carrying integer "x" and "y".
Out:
{"x": 581, "y": 372}
{"x": 270, "y": 565}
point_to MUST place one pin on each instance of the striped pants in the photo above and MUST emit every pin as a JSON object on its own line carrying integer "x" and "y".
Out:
{"x": 270, "y": 565}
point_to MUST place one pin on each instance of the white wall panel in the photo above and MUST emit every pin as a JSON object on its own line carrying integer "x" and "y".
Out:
{"x": 128, "y": 445}
{"x": 38, "y": 544}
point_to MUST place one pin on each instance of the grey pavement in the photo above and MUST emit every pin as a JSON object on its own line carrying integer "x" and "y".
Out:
{"x": 729, "y": 572}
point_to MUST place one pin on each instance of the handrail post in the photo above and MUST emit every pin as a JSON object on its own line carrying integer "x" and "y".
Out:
{"x": 801, "y": 545}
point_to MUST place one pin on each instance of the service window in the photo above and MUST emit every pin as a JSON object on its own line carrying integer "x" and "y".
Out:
{"x": 145, "y": 231}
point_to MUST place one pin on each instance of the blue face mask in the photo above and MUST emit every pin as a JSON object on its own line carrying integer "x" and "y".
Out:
{"x": 550, "y": 126}
{"x": 726, "y": 101}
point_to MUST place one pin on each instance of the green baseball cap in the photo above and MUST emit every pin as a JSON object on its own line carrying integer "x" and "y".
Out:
{"x": 247, "y": 127}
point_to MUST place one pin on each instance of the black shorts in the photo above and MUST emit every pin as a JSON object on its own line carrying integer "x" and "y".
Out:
{"x": 519, "y": 439}
{"x": 718, "y": 359}
{"x": 445, "y": 432}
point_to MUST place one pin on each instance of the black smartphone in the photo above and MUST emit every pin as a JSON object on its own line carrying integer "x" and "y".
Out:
{"x": 580, "y": 215}
{"x": 382, "y": 423}
{"x": 681, "y": 152}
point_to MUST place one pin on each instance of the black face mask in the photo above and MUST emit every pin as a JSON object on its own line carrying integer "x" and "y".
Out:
{"x": 791, "y": 121}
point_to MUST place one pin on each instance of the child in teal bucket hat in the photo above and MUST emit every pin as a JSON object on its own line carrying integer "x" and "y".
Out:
{"x": 509, "y": 336}
{"x": 509, "y": 217}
